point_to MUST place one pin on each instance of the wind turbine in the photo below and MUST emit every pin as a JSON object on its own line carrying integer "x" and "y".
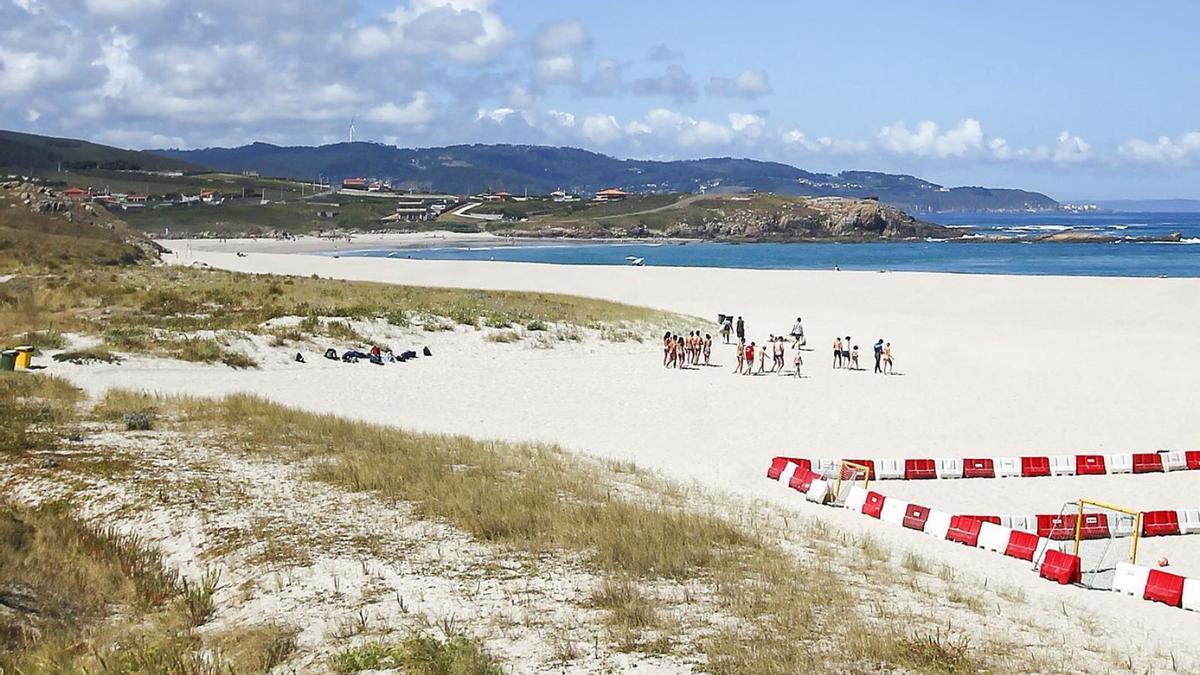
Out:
{"x": 351, "y": 129}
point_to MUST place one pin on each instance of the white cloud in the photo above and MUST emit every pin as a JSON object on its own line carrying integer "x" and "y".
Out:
{"x": 497, "y": 115}
{"x": 748, "y": 124}
{"x": 21, "y": 71}
{"x": 675, "y": 83}
{"x": 466, "y": 31}
{"x": 416, "y": 112}
{"x": 928, "y": 140}
{"x": 562, "y": 119}
{"x": 747, "y": 84}
{"x": 561, "y": 38}
{"x": 600, "y": 129}
{"x": 557, "y": 69}
{"x": 1164, "y": 150}
{"x": 1071, "y": 149}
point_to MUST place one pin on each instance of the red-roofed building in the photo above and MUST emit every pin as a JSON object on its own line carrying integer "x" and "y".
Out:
{"x": 611, "y": 194}
{"x": 77, "y": 193}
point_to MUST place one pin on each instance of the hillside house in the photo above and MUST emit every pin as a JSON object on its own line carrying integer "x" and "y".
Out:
{"x": 77, "y": 193}
{"x": 611, "y": 194}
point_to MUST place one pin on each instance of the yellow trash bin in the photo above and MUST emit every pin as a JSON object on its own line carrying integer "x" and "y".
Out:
{"x": 24, "y": 356}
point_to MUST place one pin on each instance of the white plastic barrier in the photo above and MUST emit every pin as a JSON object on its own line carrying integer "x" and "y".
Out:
{"x": 1062, "y": 465}
{"x": 938, "y": 523}
{"x": 1174, "y": 460}
{"x": 949, "y": 468}
{"x": 993, "y": 537}
{"x": 1022, "y": 523}
{"x": 1189, "y": 521}
{"x": 1191, "y": 594}
{"x": 818, "y": 491}
{"x": 1008, "y": 467}
{"x": 856, "y": 498}
{"x": 1119, "y": 463}
{"x": 1121, "y": 524}
{"x": 825, "y": 467}
{"x": 1130, "y": 579}
{"x": 893, "y": 511}
{"x": 889, "y": 469}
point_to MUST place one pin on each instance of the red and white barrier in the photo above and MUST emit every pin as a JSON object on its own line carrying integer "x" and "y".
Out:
{"x": 1029, "y": 466}
{"x": 1157, "y": 586}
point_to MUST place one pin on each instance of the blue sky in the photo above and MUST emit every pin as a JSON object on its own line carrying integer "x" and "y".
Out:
{"x": 1076, "y": 99}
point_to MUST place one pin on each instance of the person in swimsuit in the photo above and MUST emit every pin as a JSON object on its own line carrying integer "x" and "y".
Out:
{"x": 887, "y": 359}
{"x": 680, "y": 352}
{"x": 837, "y": 353}
{"x": 741, "y": 355}
{"x": 854, "y": 357}
{"x": 726, "y": 328}
{"x": 878, "y": 355}
{"x": 779, "y": 353}
{"x": 668, "y": 349}
{"x": 749, "y": 359}
{"x": 707, "y": 347}
{"x": 798, "y": 361}
{"x": 762, "y": 359}
{"x": 846, "y": 352}
{"x": 798, "y": 334}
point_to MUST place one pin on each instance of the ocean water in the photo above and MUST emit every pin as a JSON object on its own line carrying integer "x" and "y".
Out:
{"x": 1124, "y": 258}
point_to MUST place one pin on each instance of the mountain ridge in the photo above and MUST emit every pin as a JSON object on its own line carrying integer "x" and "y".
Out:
{"x": 479, "y": 167}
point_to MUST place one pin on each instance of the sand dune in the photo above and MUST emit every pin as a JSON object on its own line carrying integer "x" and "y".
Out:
{"x": 989, "y": 365}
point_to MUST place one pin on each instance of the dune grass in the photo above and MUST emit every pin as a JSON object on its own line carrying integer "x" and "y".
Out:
{"x": 781, "y": 614}
{"x": 156, "y": 310}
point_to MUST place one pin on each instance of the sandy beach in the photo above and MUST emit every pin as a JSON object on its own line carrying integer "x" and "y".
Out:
{"x": 987, "y": 366}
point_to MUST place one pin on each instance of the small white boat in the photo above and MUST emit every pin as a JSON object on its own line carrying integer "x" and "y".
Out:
{"x": 635, "y": 261}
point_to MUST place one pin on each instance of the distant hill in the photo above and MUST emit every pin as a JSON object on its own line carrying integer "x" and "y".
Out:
{"x": 467, "y": 169}
{"x": 24, "y": 152}
{"x": 1150, "y": 205}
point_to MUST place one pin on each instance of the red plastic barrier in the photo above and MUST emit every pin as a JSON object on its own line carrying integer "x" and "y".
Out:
{"x": 1164, "y": 587}
{"x": 964, "y": 530}
{"x": 1160, "y": 523}
{"x": 1022, "y": 545}
{"x": 1147, "y": 462}
{"x": 874, "y": 505}
{"x": 1035, "y": 466}
{"x": 778, "y": 464}
{"x": 1092, "y": 465}
{"x": 979, "y": 468}
{"x": 1193, "y": 459}
{"x": 1061, "y": 528}
{"x": 915, "y": 517}
{"x": 869, "y": 463}
{"x": 919, "y": 469}
{"x": 995, "y": 520}
{"x": 802, "y": 479}
{"x": 1061, "y": 567}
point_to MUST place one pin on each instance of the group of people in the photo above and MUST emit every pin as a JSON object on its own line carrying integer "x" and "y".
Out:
{"x": 776, "y": 345}
{"x": 845, "y": 355}
{"x": 681, "y": 351}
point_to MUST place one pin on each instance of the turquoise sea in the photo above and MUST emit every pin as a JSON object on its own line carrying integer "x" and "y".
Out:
{"x": 1123, "y": 258}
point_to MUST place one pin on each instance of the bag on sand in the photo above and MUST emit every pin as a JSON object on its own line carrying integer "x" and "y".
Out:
{"x": 426, "y": 352}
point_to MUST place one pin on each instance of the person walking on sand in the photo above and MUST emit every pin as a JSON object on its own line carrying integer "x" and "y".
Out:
{"x": 846, "y": 353}
{"x": 837, "y": 352}
{"x": 878, "y": 354}
{"x": 798, "y": 361}
{"x": 726, "y": 328}
{"x": 680, "y": 352}
{"x": 741, "y": 355}
{"x": 854, "y": 358}
{"x": 741, "y": 329}
{"x": 707, "y": 347}
{"x": 780, "y": 350}
{"x": 798, "y": 335}
{"x": 668, "y": 349}
{"x": 887, "y": 359}
{"x": 749, "y": 359}
{"x": 762, "y": 359}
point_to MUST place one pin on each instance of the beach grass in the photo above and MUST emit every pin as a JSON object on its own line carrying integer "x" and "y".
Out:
{"x": 159, "y": 310}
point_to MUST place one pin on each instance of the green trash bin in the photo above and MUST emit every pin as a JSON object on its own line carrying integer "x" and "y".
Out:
{"x": 8, "y": 360}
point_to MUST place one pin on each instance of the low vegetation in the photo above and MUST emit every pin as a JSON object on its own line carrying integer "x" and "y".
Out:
{"x": 419, "y": 654}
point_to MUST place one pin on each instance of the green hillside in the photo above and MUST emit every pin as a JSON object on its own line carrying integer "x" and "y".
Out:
{"x": 28, "y": 152}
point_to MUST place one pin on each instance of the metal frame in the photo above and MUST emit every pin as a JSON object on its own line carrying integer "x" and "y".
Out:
{"x": 1137, "y": 524}
{"x": 837, "y": 489}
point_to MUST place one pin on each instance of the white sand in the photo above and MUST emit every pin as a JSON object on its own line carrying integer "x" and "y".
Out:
{"x": 991, "y": 365}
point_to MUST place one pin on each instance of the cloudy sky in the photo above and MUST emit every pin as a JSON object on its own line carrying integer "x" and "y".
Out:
{"x": 1078, "y": 99}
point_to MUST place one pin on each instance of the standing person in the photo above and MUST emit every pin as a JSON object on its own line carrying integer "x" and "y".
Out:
{"x": 680, "y": 352}
{"x": 878, "y": 354}
{"x": 837, "y": 352}
{"x": 780, "y": 350}
{"x": 741, "y": 354}
{"x": 762, "y": 359}
{"x": 668, "y": 349}
{"x": 749, "y": 359}
{"x": 707, "y": 347}
{"x": 798, "y": 361}
{"x": 846, "y": 352}
{"x": 726, "y": 328}
{"x": 854, "y": 357}
{"x": 887, "y": 359}
{"x": 798, "y": 335}
{"x": 741, "y": 329}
